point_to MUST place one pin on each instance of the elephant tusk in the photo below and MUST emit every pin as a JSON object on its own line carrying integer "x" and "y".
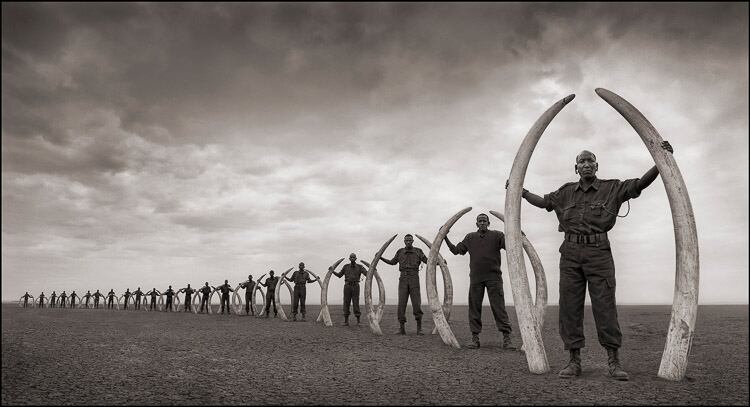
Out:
{"x": 372, "y": 317}
{"x": 381, "y": 292}
{"x": 277, "y": 293}
{"x": 447, "y": 284}
{"x": 324, "y": 314}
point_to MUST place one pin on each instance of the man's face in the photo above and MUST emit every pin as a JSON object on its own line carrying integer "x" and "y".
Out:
{"x": 353, "y": 258}
{"x": 586, "y": 165}
{"x": 483, "y": 222}
{"x": 226, "y": 281}
{"x": 249, "y": 277}
{"x": 206, "y": 283}
{"x": 302, "y": 266}
{"x": 271, "y": 273}
{"x": 188, "y": 285}
{"x": 408, "y": 241}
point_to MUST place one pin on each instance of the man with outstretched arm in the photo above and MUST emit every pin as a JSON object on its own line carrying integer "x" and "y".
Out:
{"x": 587, "y": 209}
{"x": 97, "y": 296}
{"x": 353, "y": 273}
{"x": 153, "y": 293}
{"x": 110, "y": 298}
{"x": 188, "y": 298}
{"x": 270, "y": 284}
{"x": 225, "y": 289}
{"x": 87, "y": 296}
{"x": 170, "y": 294}
{"x": 205, "y": 296}
{"x": 249, "y": 286}
{"x": 300, "y": 278}
{"x": 41, "y": 300}
{"x": 73, "y": 297}
{"x": 127, "y": 296}
{"x": 484, "y": 247}
{"x": 138, "y": 294}
{"x": 26, "y": 299}
{"x": 52, "y": 299}
{"x": 409, "y": 259}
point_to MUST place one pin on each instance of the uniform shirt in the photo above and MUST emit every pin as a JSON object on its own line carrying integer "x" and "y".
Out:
{"x": 111, "y": 294}
{"x": 409, "y": 260}
{"x": 484, "y": 254}
{"x": 271, "y": 283}
{"x": 224, "y": 288}
{"x": 138, "y": 294}
{"x": 188, "y": 292}
{"x": 97, "y": 295}
{"x": 169, "y": 293}
{"x": 248, "y": 285}
{"x": 352, "y": 273}
{"x": 26, "y": 297}
{"x": 127, "y": 294}
{"x": 591, "y": 210}
{"x": 205, "y": 290}
{"x": 301, "y": 277}
{"x": 53, "y": 297}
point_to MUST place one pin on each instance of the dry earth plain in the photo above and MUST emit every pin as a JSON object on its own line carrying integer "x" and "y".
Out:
{"x": 53, "y": 356}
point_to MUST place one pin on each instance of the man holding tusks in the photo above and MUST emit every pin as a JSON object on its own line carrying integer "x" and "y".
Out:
{"x": 353, "y": 273}
{"x": 300, "y": 278}
{"x": 270, "y": 283}
{"x": 587, "y": 210}
{"x": 409, "y": 259}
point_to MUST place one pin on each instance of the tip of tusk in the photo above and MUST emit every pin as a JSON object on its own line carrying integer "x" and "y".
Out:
{"x": 568, "y": 98}
{"x": 601, "y": 91}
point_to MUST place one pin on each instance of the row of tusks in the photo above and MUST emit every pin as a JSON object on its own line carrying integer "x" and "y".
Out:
{"x": 531, "y": 313}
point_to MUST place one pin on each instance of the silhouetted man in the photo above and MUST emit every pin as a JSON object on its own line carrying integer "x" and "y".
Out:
{"x": 153, "y": 293}
{"x": 409, "y": 259}
{"x": 205, "y": 292}
{"x": 224, "y": 289}
{"x": 249, "y": 286}
{"x": 270, "y": 283}
{"x": 300, "y": 278}
{"x": 352, "y": 273}
{"x": 188, "y": 298}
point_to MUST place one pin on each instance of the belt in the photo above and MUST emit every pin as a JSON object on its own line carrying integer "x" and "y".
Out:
{"x": 351, "y": 282}
{"x": 593, "y": 238}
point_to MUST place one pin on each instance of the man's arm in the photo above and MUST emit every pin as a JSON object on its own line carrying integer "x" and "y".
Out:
{"x": 290, "y": 279}
{"x": 337, "y": 274}
{"x": 530, "y": 197}
{"x": 450, "y": 245}
{"x": 392, "y": 261}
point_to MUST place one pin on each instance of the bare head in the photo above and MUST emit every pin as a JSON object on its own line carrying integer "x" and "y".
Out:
{"x": 226, "y": 281}
{"x": 353, "y": 258}
{"x": 188, "y": 285}
{"x": 586, "y": 165}
{"x": 270, "y": 273}
{"x": 483, "y": 222}
{"x": 301, "y": 266}
{"x": 408, "y": 240}
{"x": 249, "y": 276}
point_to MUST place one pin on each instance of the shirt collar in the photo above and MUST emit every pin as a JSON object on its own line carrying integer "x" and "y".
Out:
{"x": 594, "y": 185}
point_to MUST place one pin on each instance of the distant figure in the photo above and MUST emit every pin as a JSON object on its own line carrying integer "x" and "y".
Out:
{"x": 52, "y": 299}
{"x": 249, "y": 286}
{"x": 205, "y": 292}
{"x": 110, "y": 299}
{"x": 300, "y": 278}
{"x": 138, "y": 294}
{"x": 97, "y": 295}
{"x": 87, "y": 296}
{"x": 353, "y": 273}
{"x": 63, "y": 298}
{"x": 409, "y": 259}
{"x": 73, "y": 296}
{"x": 169, "y": 293}
{"x": 225, "y": 289}
{"x": 270, "y": 283}
{"x": 153, "y": 293}
{"x": 188, "y": 298}
{"x": 41, "y": 300}
{"x": 126, "y": 296}
{"x": 26, "y": 299}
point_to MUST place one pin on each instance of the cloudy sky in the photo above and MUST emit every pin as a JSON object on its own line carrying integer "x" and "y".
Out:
{"x": 156, "y": 144}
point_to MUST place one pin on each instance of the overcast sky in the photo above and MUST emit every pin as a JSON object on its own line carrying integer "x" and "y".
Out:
{"x": 156, "y": 144}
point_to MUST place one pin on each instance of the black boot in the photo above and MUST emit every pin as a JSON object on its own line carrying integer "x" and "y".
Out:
{"x": 573, "y": 368}
{"x": 346, "y": 320}
{"x": 303, "y": 318}
{"x": 419, "y": 327}
{"x": 401, "y": 329}
{"x": 474, "y": 342}
{"x": 507, "y": 342}
{"x": 357, "y": 319}
{"x": 615, "y": 369}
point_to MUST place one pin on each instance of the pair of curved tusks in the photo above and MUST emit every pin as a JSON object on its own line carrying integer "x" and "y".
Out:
{"x": 236, "y": 300}
{"x": 325, "y": 314}
{"x": 277, "y": 292}
{"x": 198, "y": 296}
{"x": 262, "y": 297}
{"x": 161, "y": 305}
{"x": 447, "y": 283}
{"x": 30, "y": 300}
{"x": 685, "y": 304}
{"x": 373, "y": 316}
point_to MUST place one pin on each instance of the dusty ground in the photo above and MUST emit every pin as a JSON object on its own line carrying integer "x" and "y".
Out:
{"x": 126, "y": 357}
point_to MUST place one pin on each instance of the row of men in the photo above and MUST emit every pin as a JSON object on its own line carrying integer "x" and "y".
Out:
{"x": 586, "y": 211}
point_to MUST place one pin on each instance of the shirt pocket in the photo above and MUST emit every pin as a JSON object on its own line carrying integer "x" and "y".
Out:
{"x": 571, "y": 213}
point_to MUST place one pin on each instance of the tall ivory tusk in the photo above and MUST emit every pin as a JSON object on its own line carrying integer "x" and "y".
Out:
{"x": 372, "y": 317}
{"x": 320, "y": 283}
{"x": 530, "y": 332}
{"x": 687, "y": 274}
{"x": 540, "y": 304}
{"x": 237, "y": 300}
{"x": 263, "y": 297}
{"x": 447, "y": 283}
{"x": 381, "y": 292}
{"x": 277, "y": 292}
{"x": 446, "y": 334}
{"x": 325, "y": 315}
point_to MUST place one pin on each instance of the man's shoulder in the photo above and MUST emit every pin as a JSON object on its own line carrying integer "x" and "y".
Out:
{"x": 568, "y": 185}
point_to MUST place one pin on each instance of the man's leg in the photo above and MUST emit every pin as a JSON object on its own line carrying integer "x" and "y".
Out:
{"x": 403, "y": 296}
{"x": 248, "y": 300}
{"x": 269, "y": 297}
{"x": 295, "y": 301}
{"x": 302, "y": 299}
{"x": 416, "y": 302}
{"x": 355, "y": 300}
{"x": 572, "y": 297}
{"x": 476, "y": 296}
{"x": 497, "y": 304}
{"x": 347, "y": 302}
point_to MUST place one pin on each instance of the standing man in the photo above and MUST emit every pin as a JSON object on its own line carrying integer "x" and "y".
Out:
{"x": 26, "y": 299}
{"x": 97, "y": 295}
{"x": 409, "y": 259}
{"x": 353, "y": 273}
{"x": 110, "y": 298}
{"x": 52, "y": 299}
{"x": 300, "y": 278}
{"x": 41, "y": 300}
{"x": 63, "y": 298}
{"x": 225, "y": 289}
{"x": 138, "y": 294}
{"x": 188, "y": 298}
{"x": 587, "y": 210}
{"x": 484, "y": 247}
{"x": 87, "y": 296}
{"x": 249, "y": 286}
{"x": 73, "y": 296}
{"x": 205, "y": 292}
{"x": 127, "y": 297}
{"x": 169, "y": 293}
{"x": 270, "y": 283}
{"x": 153, "y": 293}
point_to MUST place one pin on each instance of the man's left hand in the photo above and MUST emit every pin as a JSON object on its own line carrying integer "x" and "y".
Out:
{"x": 665, "y": 145}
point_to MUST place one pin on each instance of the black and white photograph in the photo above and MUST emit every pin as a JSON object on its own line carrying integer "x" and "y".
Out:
{"x": 388, "y": 203}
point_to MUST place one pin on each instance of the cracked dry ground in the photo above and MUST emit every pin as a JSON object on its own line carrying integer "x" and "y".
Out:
{"x": 127, "y": 357}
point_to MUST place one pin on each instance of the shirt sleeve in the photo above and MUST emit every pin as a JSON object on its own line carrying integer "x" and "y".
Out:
{"x": 627, "y": 189}
{"x": 551, "y": 200}
{"x": 463, "y": 246}
{"x": 422, "y": 257}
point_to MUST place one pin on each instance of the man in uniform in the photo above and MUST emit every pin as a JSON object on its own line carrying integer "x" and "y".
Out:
{"x": 87, "y": 296}
{"x": 484, "y": 247}
{"x": 270, "y": 283}
{"x": 126, "y": 296}
{"x": 409, "y": 259}
{"x": 26, "y": 299}
{"x": 97, "y": 295}
{"x": 205, "y": 292}
{"x": 249, "y": 286}
{"x": 111, "y": 298}
{"x": 300, "y": 278}
{"x": 52, "y": 299}
{"x": 169, "y": 293}
{"x": 587, "y": 210}
{"x": 153, "y": 293}
{"x": 63, "y": 298}
{"x": 41, "y": 300}
{"x": 138, "y": 294}
{"x": 353, "y": 272}
{"x": 188, "y": 298}
{"x": 225, "y": 289}
{"x": 73, "y": 297}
